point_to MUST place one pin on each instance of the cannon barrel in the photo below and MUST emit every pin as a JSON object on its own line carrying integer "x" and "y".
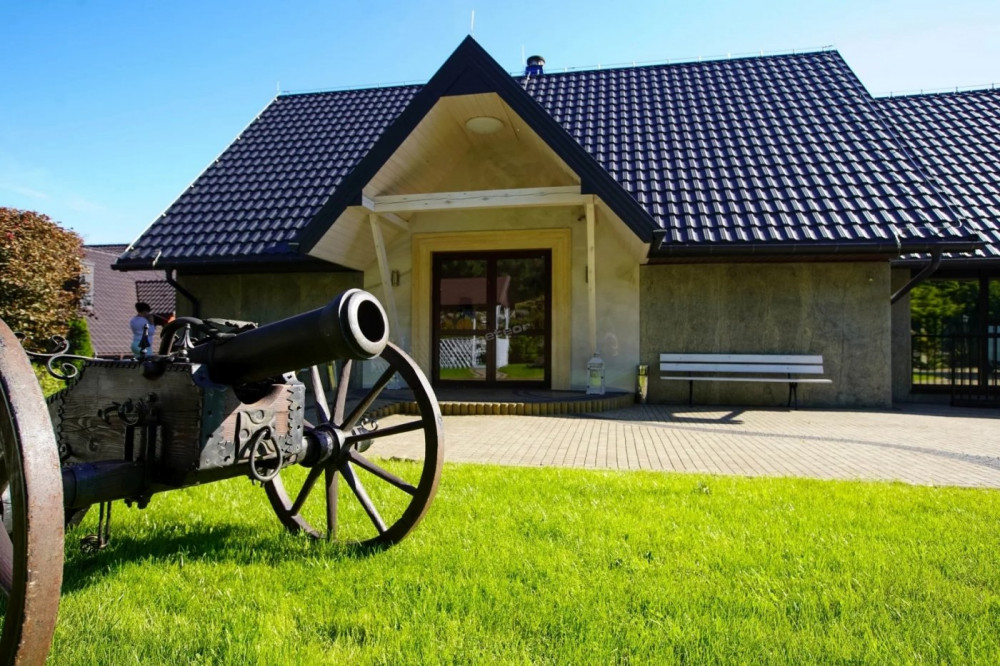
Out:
{"x": 352, "y": 326}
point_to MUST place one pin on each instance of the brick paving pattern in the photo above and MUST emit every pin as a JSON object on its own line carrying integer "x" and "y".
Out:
{"x": 927, "y": 445}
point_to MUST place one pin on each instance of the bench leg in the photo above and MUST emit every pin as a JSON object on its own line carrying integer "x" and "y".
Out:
{"x": 793, "y": 393}
{"x": 690, "y": 393}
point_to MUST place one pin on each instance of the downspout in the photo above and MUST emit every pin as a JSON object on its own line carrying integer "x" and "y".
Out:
{"x": 195, "y": 304}
{"x": 919, "y": 277}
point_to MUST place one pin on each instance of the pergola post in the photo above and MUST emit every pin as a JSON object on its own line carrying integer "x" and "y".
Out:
{"x": 591, "y": 275}
{"x": 388, "y": 296}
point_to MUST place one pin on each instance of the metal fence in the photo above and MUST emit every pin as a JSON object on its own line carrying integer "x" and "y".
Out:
{"x": 965, "y": 365}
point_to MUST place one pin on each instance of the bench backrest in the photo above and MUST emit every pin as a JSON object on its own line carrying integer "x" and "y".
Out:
{"x": 743, "y": 363}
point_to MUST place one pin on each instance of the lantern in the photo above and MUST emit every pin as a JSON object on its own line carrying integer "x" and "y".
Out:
{"x": 595, "y": 375}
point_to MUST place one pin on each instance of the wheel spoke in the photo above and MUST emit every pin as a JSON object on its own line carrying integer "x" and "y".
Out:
{"x": 322, "y": 406}
{"x": 384, "y": 474}
{"x": 401, "y": 499}
{"x": 331, "y": 502}
{"x": 307, "y": 487}
{"x": 384, "y": 432}
{"x": 366, "y": 502}
{"x": 343, "y": 382}
{"x": 374, "y": 393}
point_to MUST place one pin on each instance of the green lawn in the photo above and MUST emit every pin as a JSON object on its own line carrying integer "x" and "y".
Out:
{"x": 522, "y": 371}
{"x": 532, "y": 566}
{"x": 459, "y": 374}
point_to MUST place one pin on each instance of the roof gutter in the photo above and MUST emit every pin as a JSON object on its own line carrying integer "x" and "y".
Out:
{"x": 195, "y": 303}
{"x": 662, "y": 248}
{"x": 260, "y": 263}
{"x": 919, "y": 277}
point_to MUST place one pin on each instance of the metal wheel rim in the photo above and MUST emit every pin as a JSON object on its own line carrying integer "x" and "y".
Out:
{"x": 430, "y": 418}
{"x": 31, "y": 554}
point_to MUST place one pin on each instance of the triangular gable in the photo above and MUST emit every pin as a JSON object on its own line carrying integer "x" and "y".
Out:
{"x": 470, "y": 70}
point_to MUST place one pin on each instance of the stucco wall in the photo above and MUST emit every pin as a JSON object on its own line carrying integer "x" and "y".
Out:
{"x": 839, "y": 310}
{"x": 263, "y": 298}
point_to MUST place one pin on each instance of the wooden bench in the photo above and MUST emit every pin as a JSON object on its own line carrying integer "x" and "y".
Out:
{"x": 744, "y": 368}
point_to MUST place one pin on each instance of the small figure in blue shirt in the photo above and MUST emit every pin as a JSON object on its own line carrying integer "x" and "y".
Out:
{"x": 143, "y": 329}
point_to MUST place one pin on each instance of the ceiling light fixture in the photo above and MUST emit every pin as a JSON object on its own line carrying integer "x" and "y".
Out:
{"x": 484, "y": 125}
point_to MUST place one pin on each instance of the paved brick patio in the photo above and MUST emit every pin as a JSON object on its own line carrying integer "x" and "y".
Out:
{"x": 916, "y": 444}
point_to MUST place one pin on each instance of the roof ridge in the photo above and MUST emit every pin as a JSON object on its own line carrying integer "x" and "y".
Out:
{"x": 348, "y": 89}
{"x": 693, "y": 60}
{"x": 940, "y": 92}
{"x": 98, "y": 246}
{"x": 584, "y": 69}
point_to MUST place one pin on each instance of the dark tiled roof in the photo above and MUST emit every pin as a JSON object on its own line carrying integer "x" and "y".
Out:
{"x": 955, "y": 138}
{"x": 783, "y": 149}
{"x": 113, "y": 296}
{"x": 771, "y": 150}
{"x": 256, "y": 197}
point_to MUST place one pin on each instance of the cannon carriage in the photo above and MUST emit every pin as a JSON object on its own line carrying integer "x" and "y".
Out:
{"x": 221, "y": 399}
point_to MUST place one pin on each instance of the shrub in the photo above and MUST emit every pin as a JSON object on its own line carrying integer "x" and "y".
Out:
{"x": 39, "y": 275}
{"x": 78, "y": 338}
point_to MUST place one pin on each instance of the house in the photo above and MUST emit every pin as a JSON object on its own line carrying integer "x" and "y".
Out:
{"x": 110, "y": 297}
{"x": 739, "y": 205}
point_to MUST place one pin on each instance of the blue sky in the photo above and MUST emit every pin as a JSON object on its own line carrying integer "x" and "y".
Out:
{"x": 109, "y": 109}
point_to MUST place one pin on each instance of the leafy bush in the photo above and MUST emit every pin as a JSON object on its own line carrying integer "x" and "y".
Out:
{"x": 79, "y": 338}
{"x": 527, "y": 349}
{"x": 39, "y": 275}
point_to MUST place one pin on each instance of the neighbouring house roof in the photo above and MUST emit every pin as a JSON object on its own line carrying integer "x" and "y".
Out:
{"x": 111, "y": 299}
{"x": 955, "y": 139}
{"x": 737, "y": 156}
{"x": 158, "y": 295}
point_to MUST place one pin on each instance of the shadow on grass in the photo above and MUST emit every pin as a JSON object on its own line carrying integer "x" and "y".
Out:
{"x": 222, "y": 544}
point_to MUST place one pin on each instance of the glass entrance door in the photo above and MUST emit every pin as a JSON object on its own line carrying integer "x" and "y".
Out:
{"x": 491, "y": 318}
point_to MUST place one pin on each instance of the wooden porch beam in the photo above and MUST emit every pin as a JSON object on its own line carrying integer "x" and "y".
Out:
{"x": 532, "y": 196}
{"x": 391, "y": 218}
{"x": 591, "y": 274}
{"x": 388, "y": 297}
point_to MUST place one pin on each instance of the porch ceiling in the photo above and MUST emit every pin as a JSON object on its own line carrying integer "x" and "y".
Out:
{"x": 442, "y": 156}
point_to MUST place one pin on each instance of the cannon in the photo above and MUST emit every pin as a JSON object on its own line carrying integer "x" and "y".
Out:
{"x": 220, "y": 399}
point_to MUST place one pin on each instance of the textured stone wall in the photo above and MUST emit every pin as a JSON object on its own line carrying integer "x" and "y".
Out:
{"x": 839, "y": 310}
{"x": 901, "y": 340}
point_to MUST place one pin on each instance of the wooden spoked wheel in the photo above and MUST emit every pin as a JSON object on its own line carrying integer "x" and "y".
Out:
{"x": 31, "y": 543}
{"x": 390, "y": 467}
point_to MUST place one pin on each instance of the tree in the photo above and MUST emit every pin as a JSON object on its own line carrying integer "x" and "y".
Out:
{"x": 937, "y": 307}
{"x": 39, "y": 275}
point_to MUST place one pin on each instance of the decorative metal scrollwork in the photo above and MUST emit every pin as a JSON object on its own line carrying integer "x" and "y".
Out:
{"x": 263, "y": 448}
{"x": 58, "y": 355}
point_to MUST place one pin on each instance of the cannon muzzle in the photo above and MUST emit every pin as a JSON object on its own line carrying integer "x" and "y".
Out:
{"x": 352, "y": 326}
